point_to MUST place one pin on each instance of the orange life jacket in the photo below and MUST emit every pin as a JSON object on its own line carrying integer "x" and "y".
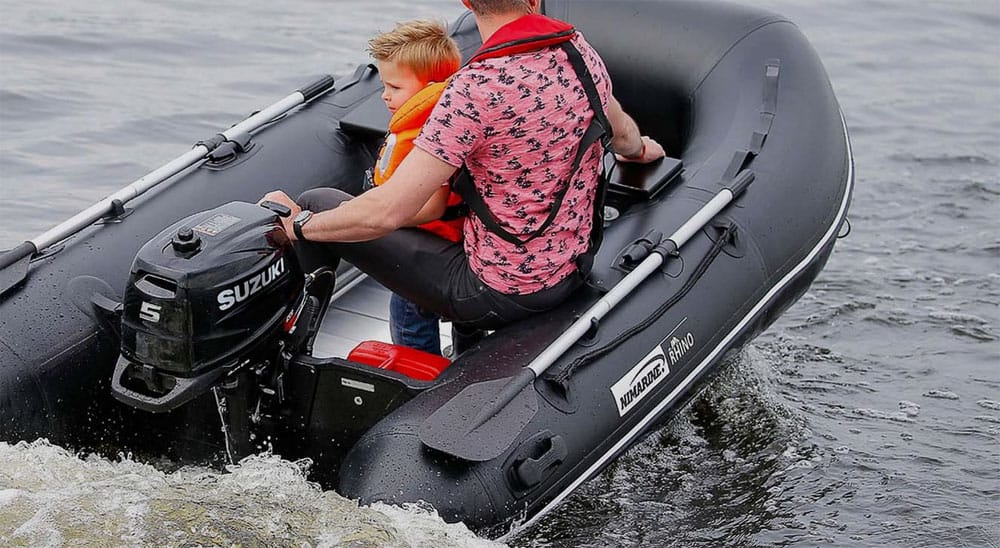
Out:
{"x": 404, "y": 127}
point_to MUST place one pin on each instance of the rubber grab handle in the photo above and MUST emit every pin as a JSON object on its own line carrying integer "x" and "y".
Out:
{"x": 532, "y": 471}
{"x": 317, "y": 88}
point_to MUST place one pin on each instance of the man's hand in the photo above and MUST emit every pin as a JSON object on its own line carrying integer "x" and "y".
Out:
{"x": 639, "y": 148}
{"x": 280, "y": 197}
{"x": 651, "y": 151}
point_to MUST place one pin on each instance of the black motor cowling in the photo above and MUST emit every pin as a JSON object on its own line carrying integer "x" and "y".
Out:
{"x": 212, "y": 292}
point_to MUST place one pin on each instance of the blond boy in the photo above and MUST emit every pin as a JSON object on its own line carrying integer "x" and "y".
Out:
{"x": 415, "y": 60}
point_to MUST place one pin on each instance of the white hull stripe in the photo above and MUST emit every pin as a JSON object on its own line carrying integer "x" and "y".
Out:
{"x": 644, "y": 423}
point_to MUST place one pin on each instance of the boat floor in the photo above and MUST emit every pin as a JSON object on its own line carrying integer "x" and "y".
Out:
{"x": 359, "y": 312}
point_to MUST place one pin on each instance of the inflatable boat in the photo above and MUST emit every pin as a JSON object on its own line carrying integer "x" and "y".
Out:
{"x": 172, "y": 318}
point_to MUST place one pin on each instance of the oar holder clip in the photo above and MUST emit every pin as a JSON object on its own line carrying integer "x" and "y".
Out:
{"x": 229, "y": 150}
{"x": 638, "y": 250}
{"x": 116, "y": 213}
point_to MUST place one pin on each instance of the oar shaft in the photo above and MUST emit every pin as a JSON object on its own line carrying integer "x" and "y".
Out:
{"x": 701, "y": 218}
{"x": 266, "y": 115}
{"x": 580, "y": 327}
{"x": 138, "y": 187}
{"x": 93, "y": 213}
{"x": 628, "y": 284}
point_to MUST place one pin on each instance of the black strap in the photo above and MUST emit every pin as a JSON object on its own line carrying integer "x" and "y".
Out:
{"x": 456, "y": 211}
{"x": 769, "y": 107}
{"x": 466, "y": 189}
{"x": 585, "y": 261}
{"x": 598, "y": 129}
{"x": 587, "y": 81}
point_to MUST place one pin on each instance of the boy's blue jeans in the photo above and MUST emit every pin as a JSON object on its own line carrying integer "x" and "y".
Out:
{"x": 412, "y": 326}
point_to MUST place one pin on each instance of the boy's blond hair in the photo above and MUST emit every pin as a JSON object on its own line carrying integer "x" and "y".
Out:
{"x": 422, "y": 45}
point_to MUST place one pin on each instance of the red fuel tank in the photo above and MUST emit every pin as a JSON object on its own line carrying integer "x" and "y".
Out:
{"x": 416, "y": 364}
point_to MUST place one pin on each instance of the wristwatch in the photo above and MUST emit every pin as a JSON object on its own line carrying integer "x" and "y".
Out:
{"x": 301, "y": 219}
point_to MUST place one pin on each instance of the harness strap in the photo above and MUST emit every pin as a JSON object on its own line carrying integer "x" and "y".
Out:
{"x": 465, "y": 188}
{"x": 587, "y": 81}
{"x": 598, "y": 129}
{"x": 585, "y": 261}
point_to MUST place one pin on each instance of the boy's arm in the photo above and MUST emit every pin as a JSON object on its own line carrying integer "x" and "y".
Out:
{"x": 433, "y": 209}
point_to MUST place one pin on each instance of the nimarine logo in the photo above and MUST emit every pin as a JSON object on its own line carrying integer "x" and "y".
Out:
{"x": 640, "y": 380}
{"x": 250, "y": 286}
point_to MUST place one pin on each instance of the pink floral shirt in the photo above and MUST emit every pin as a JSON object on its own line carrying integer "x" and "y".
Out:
{"x": 516, "y": 121}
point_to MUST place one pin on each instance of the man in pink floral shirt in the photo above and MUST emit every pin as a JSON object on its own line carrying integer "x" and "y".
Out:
{"x": 514, "y": 116}
{"x": 516, "y": 122}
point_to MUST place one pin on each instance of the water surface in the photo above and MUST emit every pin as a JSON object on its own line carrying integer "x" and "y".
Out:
{"x": 868, "y": 415}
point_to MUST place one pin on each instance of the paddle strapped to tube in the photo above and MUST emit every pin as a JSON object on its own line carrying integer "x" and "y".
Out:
{"x": 484, "y": 419}
{"x": 14, "y": 263}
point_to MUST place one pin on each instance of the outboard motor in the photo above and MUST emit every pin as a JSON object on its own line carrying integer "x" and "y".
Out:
{"x": 208, "y": 295}
{"x": 217, "y": 303}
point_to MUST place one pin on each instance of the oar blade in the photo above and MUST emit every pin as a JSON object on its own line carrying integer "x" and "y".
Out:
{"x": 452, "y": 429}
{"x": 14, "y": 266}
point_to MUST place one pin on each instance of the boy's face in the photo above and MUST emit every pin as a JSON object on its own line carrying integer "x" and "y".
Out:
{"x": 400, "y": 84}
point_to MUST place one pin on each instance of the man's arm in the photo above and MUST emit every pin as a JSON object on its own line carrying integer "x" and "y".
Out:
{"x": 628, "y": 143}
{"x": 392, "y": 205}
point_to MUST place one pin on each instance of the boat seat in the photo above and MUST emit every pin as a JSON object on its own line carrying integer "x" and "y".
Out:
{"x": 416, "y": 364}
{"x": 631, "y": 182}
{"x": 370, "y": 117}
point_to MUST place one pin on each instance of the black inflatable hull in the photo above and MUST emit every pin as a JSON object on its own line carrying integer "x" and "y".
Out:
{"x": 725, "y": 88}
{"x": 706, "y": 65}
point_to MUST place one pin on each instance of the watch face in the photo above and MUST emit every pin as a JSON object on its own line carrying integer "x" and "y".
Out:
{"x": 303, "y": 216}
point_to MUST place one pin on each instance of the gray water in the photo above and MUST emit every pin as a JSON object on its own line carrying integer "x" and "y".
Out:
{"x": 868, "y": 415}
